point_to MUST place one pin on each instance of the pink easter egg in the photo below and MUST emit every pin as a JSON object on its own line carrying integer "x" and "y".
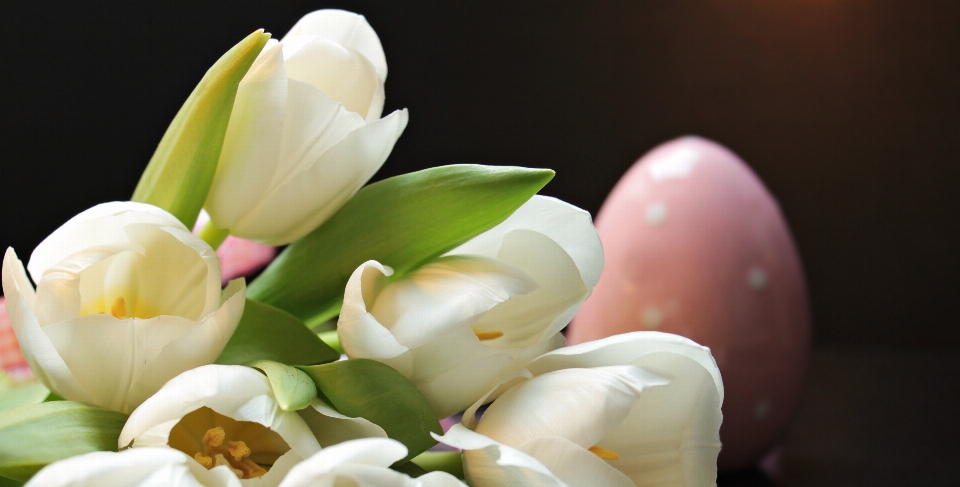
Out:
{"x": 12, "y": 361}
{"x": 238, "y": 257}
{"x": 695, "y": 245}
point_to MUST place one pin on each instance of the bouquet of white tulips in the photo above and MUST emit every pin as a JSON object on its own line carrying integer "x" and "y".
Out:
{"x": 395, "y": 305}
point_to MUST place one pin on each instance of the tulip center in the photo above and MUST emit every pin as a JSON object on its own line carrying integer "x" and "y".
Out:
{"x": 119, "y": 308}
{"x": 485, "y": 335}
{"x": 604, "y": 453}
{"x": 249, "y": 449}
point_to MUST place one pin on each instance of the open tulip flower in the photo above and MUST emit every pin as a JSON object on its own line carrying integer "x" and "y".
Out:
{"x": 305, "y": 132}
{"x": 126, "y": 299}
{"x": 634, "y": 410}
{"x": 456, "y": 325}
{"x": 223, "y": 415}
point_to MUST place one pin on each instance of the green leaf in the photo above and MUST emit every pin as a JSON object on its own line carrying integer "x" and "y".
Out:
{"x": 374, "y": 391}
{"x": 23, "y": 396}
{"x": 292, "y": 387}
{"x": 331, "y": 339}
{"x": 444, "y": 461}
{"x": 268, "y": 333}
{"x": 37, "y": 435}
{"x": 403, "y": 222}
{"x": 181, "y": 170}
{"x": 5, "y": 482}
{"x": 411, "y": 469}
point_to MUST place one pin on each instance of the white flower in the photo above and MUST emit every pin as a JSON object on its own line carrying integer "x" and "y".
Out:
{"x": 361, "y": 463}
{"x": 641, "y": 409}
{"x": 141, "y": 467}
{"x": 223, "y": 415}
{"x": 126, "y": 299}
{"x": 456, "y": 325}
{"x": 305, "y": 132}
{"x": 358, "y": 463}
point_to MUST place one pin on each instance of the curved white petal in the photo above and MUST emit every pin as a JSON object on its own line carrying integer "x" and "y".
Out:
{"x": 491, "y": 464}
{"x": 627, "y": 348}
{"x": 330, "y": 427}
{"x": 439, "y": 479}
{"x": 347, "y": 29}
{"x": 251, "y": 146}
{"x": 44, "y": 359}
{"x": 142, "y": 467}
{"x": 102, "y": 225}
{"x": 573, "y": 464}
{"x": 292, "y": 211}
{"x": 446, "y": 295}
{"x": 364, "y": 461}
{"x": 581, "y": 405}
{"x": 569, "y": 226}
{"x": 344, "y": 74}
{"x": 237, "y": 392}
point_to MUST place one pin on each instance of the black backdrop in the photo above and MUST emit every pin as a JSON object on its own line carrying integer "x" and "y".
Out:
{"x": 848, "y": 110}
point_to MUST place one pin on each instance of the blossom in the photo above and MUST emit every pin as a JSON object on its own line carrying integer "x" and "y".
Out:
{"x": 457, "y": 324}
{"x": 126, "y": 299}
{"x": 223, "y": 415}
{"x": 305, "y": 132}
{"x": 141, "y": 467}
{"x": 362, "y": 463}
{"x": 639, "y": 409}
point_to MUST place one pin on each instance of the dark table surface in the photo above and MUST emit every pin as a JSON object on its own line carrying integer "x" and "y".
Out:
{"x": 877, "y": 417}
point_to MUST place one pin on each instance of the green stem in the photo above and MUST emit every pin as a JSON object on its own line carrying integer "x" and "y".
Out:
{"x": 213, "y": 235}
{"x": 442, "y": 461}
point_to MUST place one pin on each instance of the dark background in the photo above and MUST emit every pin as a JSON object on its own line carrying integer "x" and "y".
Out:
{"x": 848, "y": 110}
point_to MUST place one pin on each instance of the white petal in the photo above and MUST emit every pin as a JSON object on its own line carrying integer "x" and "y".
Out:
{"x": 101, "y": 225}
{"x": 360, "y": 334}
{"x": 581, "y": 405}
{"x": 251, "y": 146}
{"x": 627, "y": 348}
{"x": 234, "y": 391}
{"x": 446, "y": 295}
{"x": 347, "y": 29}
{"x": 440, "y": 479}
{"x": 534, "y": 317}
{"x": 490, "y": 464}
{"x": 142, "y": 467}
{"x": 369, "y": 452}
{"x": 566, "y": 224}
{"x": 344, "y": 74}
{"x": 573, "y": 464}
{"x": 330, "y": 427}
{"x": 38, "y": 350}
{"x": 293, "y": 209}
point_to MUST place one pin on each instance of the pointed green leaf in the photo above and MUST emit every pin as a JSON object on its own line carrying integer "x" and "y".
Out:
{"x": 37, "y": 435}
{"x": 291, "y": 386}
{"x": 181, "y": 170}
{"x": 268, "y": 333}
{"x": 23, "y": 396}
{"x": 402, "y": 222}
{"x": 371, "y": 390}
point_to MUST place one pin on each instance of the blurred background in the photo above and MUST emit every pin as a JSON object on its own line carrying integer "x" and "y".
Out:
{"x": 848, "y": 110}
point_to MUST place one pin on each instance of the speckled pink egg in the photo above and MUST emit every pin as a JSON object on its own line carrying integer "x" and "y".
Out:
{"x": 695, "y": 245}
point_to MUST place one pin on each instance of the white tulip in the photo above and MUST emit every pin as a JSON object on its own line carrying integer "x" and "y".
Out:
{"x": 305, "y": 132}
{"x": 141, "y": 467}
{"x": 634, "y": 410}
{"x": 362, "y": 463}
{"x": 126, "y": 299}
{"x": 223, "y": 415}
{"x": 456, "y": 325}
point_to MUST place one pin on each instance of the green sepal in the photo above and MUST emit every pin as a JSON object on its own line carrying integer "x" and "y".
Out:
{"x": 37, "y": 435}
{"x": 442, "y": 461}
{"x": 268, "y": 333}
{"x": 374, "y": 391}
{"x": 25, "y": 395}
{"x": 402, "y": 222}
{"x": 292, "y": 387}
{"x": 181, "y": 170}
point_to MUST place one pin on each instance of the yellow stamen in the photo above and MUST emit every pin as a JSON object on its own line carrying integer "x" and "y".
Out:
{"x": 238, "y": 450}
{"x": 603, "y": 453}
{"x": 119, "y": 308}
{"x": 214, "y": 437}
{"x": 250, "y": 470}
{"x": 204, "y": 460}
{"x": 484, "y": 335}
